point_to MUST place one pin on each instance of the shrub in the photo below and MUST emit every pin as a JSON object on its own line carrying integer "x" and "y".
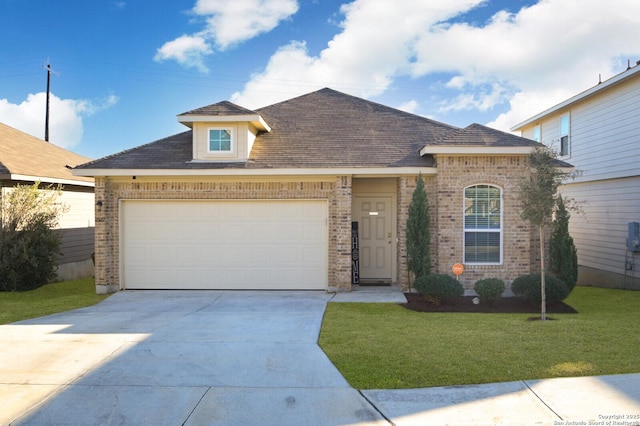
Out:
{"x": 563, "y": 257}
{"x": 27, "y": 257}
{"x": 434, "y": 287}
{"x": 28, "y": 244}
{"x": 528, "y": 286}
{"x": 490, "y": 290}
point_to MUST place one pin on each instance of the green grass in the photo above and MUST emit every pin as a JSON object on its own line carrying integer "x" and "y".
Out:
{"x": 48, "y": 299}
{"x": 385, "y": 346}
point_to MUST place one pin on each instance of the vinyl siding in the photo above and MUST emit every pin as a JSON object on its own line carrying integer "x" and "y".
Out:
{"x": 80, "y": 209}
{"x": 600, "y": 231}
{"x": 604, "y": 133}
{"x": 77, "y": 244}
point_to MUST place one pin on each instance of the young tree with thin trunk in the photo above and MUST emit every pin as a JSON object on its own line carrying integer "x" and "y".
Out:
{"x": 418, "y": 234}
{"x": 538, "y": 195}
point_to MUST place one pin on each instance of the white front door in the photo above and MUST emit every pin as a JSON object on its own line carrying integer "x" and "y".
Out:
{"x": 374, "y": 218}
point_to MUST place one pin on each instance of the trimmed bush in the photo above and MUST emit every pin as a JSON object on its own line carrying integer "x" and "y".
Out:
{"x": 490, "y": 290}
{"x": 528, "y": 286}
{"x": 434, "y": 287}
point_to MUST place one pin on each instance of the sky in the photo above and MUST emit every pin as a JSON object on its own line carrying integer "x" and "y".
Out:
{"x": 123, "y": 70}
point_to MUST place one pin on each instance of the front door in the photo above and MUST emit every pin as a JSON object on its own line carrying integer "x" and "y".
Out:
{"x": 374, "y": 218}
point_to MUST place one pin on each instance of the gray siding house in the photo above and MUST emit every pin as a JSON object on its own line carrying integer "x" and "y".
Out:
{"x": 598, "y": 132}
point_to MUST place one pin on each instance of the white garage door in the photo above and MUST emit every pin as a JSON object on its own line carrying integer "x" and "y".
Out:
{"x": 224, "y": 244}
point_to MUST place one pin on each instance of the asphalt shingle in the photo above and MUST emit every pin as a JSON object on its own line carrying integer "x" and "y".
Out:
{"x": 23, "y": 154}
{"x": 322, "y": 129}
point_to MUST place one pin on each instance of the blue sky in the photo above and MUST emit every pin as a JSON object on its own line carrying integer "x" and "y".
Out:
{"x": 126, "y": 68}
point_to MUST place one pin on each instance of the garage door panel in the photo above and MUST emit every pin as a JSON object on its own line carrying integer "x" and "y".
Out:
{"x": 224, "y": 244}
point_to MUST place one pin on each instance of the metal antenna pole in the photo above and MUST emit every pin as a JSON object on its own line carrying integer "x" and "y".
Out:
{"x": 46, "y": 117}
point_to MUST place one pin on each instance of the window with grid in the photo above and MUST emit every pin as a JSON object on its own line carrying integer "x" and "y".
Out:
{"x": 483, "y": 224}
{"x": 220, "y": 140}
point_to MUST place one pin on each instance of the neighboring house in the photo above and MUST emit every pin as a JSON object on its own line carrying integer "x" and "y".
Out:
{"x": 598, "y": 132}
{"x": 265, "y": 199}
{"x": 25, "y": 159}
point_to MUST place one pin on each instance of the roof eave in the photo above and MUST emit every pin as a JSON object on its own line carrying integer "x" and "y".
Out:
{"x": 44, "y": 179}
{"x": 475, "y": 150}
{"x": 255, "y": 119}
{"x": 360, "y": 171}
{"x": 579, "y": 97}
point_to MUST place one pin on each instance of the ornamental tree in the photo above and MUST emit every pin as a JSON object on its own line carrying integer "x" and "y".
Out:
{"x": 418, "y": 233}
{"x": 563, "y": 256}
{"x": 538, "y": 194}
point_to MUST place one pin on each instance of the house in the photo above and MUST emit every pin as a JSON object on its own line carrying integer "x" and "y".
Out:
{"x": 25, "y": 159}
{"x": 597, "y": 131}
{"x": 265, "y": 199}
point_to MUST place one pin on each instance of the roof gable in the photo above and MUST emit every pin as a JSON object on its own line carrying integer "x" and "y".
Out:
{"x": 224, "y": 108}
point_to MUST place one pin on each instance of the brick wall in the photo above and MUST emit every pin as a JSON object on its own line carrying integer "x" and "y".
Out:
{"x": 109, "y": 191}
{"x": 454, "y": 174}
{"x": 444, "y": 194}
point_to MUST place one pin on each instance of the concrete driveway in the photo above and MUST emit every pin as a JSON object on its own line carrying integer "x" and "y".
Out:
{"x": 248, "y": 358}
{"x": 178, "y": 357}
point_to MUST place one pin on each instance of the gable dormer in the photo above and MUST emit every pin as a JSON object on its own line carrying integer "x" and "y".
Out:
{"x": 223, "y": 132}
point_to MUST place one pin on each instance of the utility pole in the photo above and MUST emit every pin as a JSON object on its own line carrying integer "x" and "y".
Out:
{"x": 46, "y": 117}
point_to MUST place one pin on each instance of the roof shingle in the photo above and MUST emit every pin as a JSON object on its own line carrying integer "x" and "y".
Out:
{"x": 23, "y": 154}
{"x": 322, "y": 129}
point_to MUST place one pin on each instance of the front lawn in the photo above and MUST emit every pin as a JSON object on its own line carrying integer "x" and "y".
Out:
{"x": 385, "y": 346}
{"x": 48, "y": 299}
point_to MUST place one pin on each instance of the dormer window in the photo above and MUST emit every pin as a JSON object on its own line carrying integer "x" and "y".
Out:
{"x": 220, "y": 140}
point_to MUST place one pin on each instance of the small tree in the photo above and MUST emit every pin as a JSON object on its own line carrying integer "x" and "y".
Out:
{"x": 418, "y": 234}
{"x": 28, "y": 243}
{"x": 538, "y": 198}
{"x": 563, "y": 256}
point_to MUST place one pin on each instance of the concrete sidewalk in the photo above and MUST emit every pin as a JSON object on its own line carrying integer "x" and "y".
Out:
{"x": 232, "y": 358}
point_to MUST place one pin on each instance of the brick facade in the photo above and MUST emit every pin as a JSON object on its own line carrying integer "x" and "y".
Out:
{"x": 445, "y": 194}
{"x": 455, "y": 173}
{"x": 109, "y": 192}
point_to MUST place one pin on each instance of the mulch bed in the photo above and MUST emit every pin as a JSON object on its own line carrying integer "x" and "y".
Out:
{"x": 506, "y": 305}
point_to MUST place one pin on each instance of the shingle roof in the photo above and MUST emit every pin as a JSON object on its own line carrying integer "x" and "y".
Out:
{"x": 220, "y": 108}
{"x": 479, "y": 135}
{"x": 322, "y": 129}
{"x": 23, "y": 154}
{"x": 331, "y": 129}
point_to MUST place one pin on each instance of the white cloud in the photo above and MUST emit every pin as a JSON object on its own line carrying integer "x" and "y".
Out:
{"x": 232, "y": 22}
{"x": 362, "y": 59}
{"x": 409, "y": 106}
{"x": 548, "y": 52}
{"x": 228, "y": 23}
{"x": 528, "y": 60}
{"x": 480, "y": 98}
{"x": 188, "y": 51}
{"x": 65, "y": 116}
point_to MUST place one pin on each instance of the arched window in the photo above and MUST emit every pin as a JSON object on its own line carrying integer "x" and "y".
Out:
{"x": 483, "y": 224}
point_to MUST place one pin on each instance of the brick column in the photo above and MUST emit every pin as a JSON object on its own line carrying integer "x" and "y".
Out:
{"x": 340, "y": 236}
{"x": 103, "y": 238}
